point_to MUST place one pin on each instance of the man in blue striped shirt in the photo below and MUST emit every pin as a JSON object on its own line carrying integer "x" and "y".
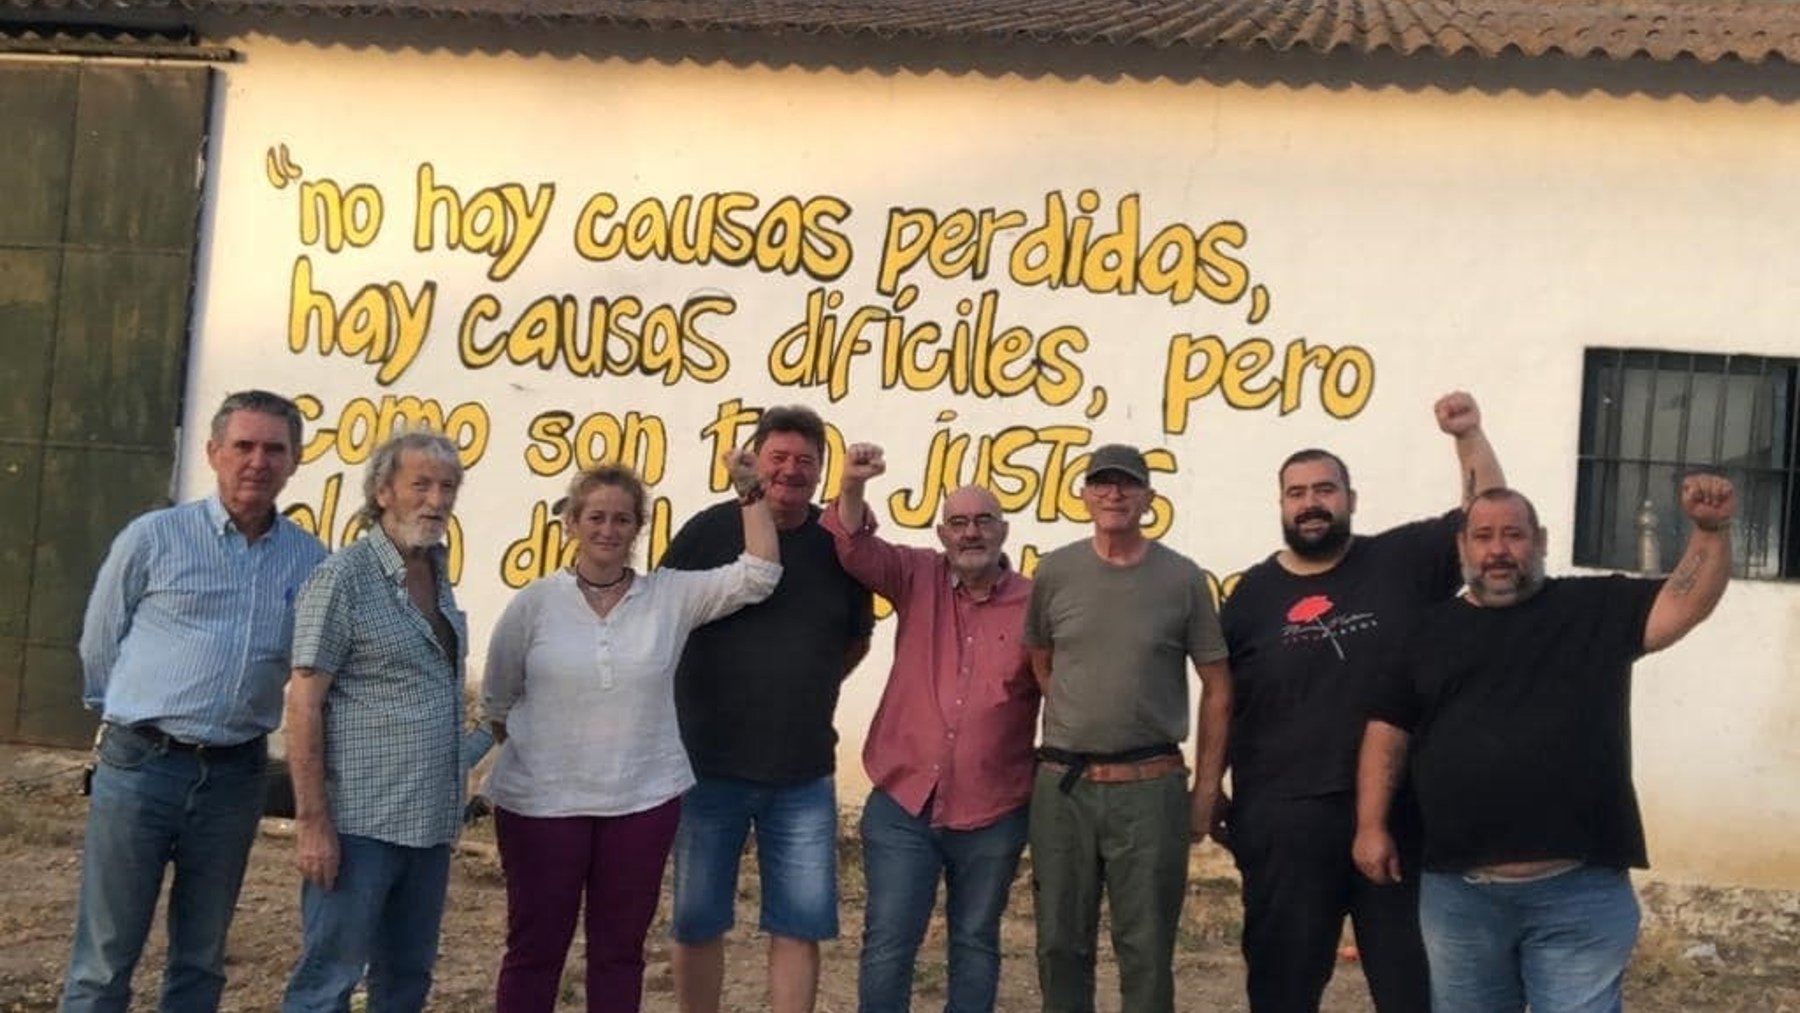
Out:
{"x": 184, "y": 653}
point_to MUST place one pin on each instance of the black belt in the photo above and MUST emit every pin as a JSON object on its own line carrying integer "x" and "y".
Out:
{"x": 1078, "y": 762}
{"x": 167, "y": 743}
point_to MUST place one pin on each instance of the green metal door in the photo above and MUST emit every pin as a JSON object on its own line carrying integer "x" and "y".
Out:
{"x": 100, "y": 174}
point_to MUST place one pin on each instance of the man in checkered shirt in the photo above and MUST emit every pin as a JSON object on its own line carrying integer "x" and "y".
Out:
{"x": 374, "y": 723}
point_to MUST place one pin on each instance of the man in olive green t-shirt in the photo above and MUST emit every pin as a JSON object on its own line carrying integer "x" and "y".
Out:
{"x": 1114, "y": 619}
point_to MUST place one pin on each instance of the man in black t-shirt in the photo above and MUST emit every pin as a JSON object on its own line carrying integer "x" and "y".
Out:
{"x": 755, "y": 694}
{"x": 1309, "y": 629}
{"x": 1515, "y": 700}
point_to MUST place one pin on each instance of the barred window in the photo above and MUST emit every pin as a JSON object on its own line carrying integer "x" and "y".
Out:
{"x": 1648, "y": 419}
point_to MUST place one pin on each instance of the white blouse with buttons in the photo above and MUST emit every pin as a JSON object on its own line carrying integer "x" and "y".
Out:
{"x": 589, "y": 703}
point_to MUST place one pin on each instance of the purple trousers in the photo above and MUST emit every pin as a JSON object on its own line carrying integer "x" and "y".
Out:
{"x": 551, "y": 864}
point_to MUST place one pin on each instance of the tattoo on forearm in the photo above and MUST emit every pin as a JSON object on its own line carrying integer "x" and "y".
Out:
{"x": 1469, "y": 486}
{"x": 1686, "y": 575}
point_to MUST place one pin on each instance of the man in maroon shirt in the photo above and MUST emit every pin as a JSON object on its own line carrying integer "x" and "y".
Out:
{"x": 950, "y": 753}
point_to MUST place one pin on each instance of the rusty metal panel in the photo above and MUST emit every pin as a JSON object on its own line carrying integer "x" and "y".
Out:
{"x": 88, "y": 496}
{"x": 121, "y": 343}
{"x": 46, "y": 714}
{"x": 12, "y": 678}
{"x": 135, "y": 173}
{"x": 21, "y": 472}
{"x": 37, "y": 105}
{"x": 28, "y": 290}
{"x": 95, "y": 282}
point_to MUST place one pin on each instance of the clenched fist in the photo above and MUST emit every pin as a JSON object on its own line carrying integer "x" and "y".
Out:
{"x": 1457, "y": 413}
{"x": 863, "y": 461}
{"x": 1708, "y": 500}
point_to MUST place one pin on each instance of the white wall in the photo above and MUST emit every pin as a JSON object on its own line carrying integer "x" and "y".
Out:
{"x": 1464, "y": 239}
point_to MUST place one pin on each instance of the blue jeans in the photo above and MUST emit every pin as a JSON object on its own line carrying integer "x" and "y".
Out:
{"x": 796, "y": 856}
{"x": 382, "y": 916}
{"x": 1559, "y": 945}
{"x": 903, "y": 855}
{"x": 152, "y": 807}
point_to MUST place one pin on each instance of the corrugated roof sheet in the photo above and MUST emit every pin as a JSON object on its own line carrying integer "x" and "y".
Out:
{"x": 1705, "y": 30}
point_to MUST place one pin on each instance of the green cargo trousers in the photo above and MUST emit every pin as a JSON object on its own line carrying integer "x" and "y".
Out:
{"x": 1131, "y": 839}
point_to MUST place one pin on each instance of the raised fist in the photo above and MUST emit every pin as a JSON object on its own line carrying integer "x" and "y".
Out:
{"x": 863, "y": 461}
{"x": 1708, "y": 500}
{"x": 741, "y": 465}
{"x": 1457, "y": 413}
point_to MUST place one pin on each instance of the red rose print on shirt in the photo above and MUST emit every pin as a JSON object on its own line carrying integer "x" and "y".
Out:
{"x": 1309, "y": 610}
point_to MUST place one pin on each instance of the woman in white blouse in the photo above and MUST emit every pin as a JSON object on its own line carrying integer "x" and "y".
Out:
{"x": 579, "y": 688}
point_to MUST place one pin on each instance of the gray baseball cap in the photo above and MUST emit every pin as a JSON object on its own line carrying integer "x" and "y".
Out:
{"x": 1120, "y": 458}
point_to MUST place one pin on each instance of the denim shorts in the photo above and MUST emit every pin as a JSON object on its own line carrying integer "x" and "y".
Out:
{"x": 796, "y": 857}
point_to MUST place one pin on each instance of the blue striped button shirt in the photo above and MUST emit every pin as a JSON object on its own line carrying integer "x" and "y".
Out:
{"x": 393, "y": 716}
{"x": 189, "y": 623}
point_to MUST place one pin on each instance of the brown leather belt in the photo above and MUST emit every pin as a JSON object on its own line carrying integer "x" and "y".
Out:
{"x": 1126, "y": 773}
{"x": 1123, "y": 767}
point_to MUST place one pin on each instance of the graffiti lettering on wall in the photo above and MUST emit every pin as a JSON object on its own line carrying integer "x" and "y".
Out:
{"x": 951, "y": 305}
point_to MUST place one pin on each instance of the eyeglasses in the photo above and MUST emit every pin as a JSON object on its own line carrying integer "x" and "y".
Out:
{"x": 1112, "y": 481}
{"x": 960, "y": 523}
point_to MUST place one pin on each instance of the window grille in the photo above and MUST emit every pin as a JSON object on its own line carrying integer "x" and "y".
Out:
{"x": 1648, "y": 419}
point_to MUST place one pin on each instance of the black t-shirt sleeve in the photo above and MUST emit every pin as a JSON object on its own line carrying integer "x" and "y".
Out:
{"x": 862, "y": 624}
{"x": 1393, "y": 695}
{"x": 1230, "y": 609}
{"x": 699, "y": 543}
{"x": 858, "y": 622}
{"x": 1429, "y": 550}
{"x": 1622, "y": 606}
{"x": 1249, "y": 600}
{"x": 682, "y": 548}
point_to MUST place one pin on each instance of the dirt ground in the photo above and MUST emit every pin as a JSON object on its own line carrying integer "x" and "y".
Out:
{"x": 40, "y": 853}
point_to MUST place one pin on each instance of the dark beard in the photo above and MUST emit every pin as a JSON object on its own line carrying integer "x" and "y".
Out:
{"x": 1325, "y": 546}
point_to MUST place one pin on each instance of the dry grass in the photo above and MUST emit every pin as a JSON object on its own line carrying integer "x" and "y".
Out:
{"x": 1757, "y": 966}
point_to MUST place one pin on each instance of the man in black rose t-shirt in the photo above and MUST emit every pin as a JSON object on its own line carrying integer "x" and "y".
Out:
{"x": 1514, "y": 703}
{"x": 1309, "y": 629}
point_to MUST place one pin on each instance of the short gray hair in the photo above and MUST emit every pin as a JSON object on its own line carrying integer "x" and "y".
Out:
{"x": 385, "y": 461}
{"x": 259, "y": 401}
